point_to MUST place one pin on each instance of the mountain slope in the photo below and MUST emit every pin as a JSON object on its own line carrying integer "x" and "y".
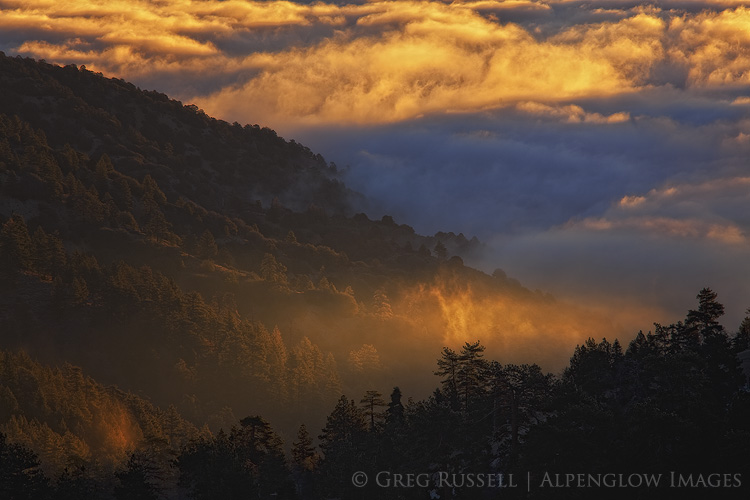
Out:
{"x": 216, "y": 267}
{"x": 218, "y": 165}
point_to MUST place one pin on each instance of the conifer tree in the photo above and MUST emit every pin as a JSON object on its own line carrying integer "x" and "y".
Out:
{"x": 207, "y": 248}
{"x": 303, "y": 451}
{"x": 741, "y": 341}
{"x": 16, "y": 248}
{"x": 20, "y": 475}
{"x": 448, "y": 367}
{"x": 305, "y": 462}
{"x": 469, "y": 375}
{"x": 139, "y": 480}
{"x": 370, "y": 402}
{"x": 703, "y": 323}
{"x": 344, "y": 447}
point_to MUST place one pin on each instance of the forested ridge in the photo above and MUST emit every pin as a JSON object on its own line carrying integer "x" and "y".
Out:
{"x": 673, "y": 402}
{"x": 183, "y": 301}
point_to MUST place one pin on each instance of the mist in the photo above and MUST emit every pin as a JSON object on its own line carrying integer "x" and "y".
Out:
{"x": 639, "y": 213}
{"x": 597, "y": 149}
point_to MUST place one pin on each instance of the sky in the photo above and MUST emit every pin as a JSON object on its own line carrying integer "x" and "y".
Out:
{"x": 599, "y": 149}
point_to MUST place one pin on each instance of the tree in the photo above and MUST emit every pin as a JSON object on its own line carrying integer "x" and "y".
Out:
{"x": 122, "y": 194}
{"x": 519, "y": 393}
{"x": 262, "y": 451}
{"x": 592, "y": 366}
{"x": 470, "y": 370}
{"x": 305, "y": 462}
{"x": 365, "y": 359}
{"x": 307, "y": 362}
{"x": 394, "y": 415}
{"x": 741, "y": 341}
{"x": 393, "y": 442}
{"x": 703, "y": 323}
{"x": 277, "y": 359}
{"x": 80, "y": 291}
{"x": 75, "y": 483}
{"x": 157, "y": 226}
{"x": 272, "y": 270}
{"x": 440, "y": 251}
{"x": 369, "y": 402}
{"x": 303, "y": 451}
{"x": 16, "y": 249}
{"x": 207, "y": 248}
{"x": 139, "y": 479}
{"x": 101, "y": 173}
{"x": 382, "y": 305}
{"x": 210, "y": 469}
{"x": 21, "y": 477}
{"x": 152, "y": 192}
{"x": 448, "y": 366}
{"x": 344, "y": 447}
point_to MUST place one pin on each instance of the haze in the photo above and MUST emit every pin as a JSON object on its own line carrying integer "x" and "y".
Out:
{"x": 599, "y": 149}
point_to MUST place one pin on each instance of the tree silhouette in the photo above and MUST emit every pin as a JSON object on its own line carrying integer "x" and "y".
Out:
{"x": 372, "y": 400}
{"x": 138, "y": 481}
{"x": 20, "y": 475}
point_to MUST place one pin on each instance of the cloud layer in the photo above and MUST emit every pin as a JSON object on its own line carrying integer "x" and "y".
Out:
{"x": 385, "y": 61}
{"x": 601, "y": 148}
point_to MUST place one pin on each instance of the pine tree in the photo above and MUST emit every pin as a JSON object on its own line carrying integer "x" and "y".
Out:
{"x": 101, "y": 173}
{"x": 703, "y": 323}
{"x": 382, "y": 305}
{"x": 394, "y": 415}
{"x": 303, "y": 451}
{"x": 371, "y": 401}
{"x": 331, "y": 379}
{"x": 344, "y": 447}
{"x": 305, "y": 462}
{"x": 272, "y": 270}
{"x": 307, "y": 371}
{"x": 157, "y": 226}
{"x": 41, "y": 250}
{"x": 207, "y": 248}
{"x": 152, "y": 192}
{"x": 277, "y": 359}
{"x": 448, "y": 367}
{"x": 256, "y": 443}
{"x": 122, "y": 194}
{"x": 75, "y": 483}
{"x": 80, "y": 291}
{"x": 16, "y": 248}
{"x": 519, "y": 393}
{"x": 20, "y": 475}
{"x": 139, "y": 480}
{"x": 741, "y": 341}
{"x": 440, "y": 251}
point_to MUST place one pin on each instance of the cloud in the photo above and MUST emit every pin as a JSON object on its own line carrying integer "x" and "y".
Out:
{"x": 697, "y": 211}
{"x": 382, "y": 61}
{"x": 571, "y": 113}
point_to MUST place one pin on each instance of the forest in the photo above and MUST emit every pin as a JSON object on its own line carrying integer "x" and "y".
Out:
{"x": 674, "y": 401}
{"x": 196, "y": 309}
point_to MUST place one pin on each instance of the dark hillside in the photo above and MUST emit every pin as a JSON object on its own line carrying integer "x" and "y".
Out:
{"x": 221, "y": 166}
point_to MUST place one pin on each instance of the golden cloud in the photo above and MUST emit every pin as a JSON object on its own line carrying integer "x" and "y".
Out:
{"x": 571, "y": 113}
{"x": 384, "y": 61}
{"x": 450, "y": 60}
{"x": 695, "y": 212}
{"x": 726, "y": 233}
